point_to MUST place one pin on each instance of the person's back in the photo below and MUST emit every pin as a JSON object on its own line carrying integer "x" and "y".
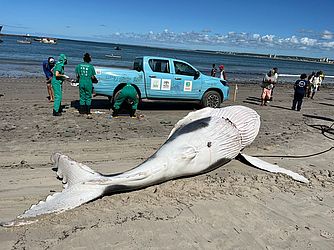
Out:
{"x": 85, "y": 71}
{"x": 128, "y": 92}
{"x": 85, "y": 74}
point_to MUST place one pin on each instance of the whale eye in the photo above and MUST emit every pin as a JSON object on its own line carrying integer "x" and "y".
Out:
{"x": 209, "y": 144}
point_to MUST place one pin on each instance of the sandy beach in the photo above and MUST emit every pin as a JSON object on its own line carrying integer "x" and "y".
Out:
{"x": 233, "y": 207}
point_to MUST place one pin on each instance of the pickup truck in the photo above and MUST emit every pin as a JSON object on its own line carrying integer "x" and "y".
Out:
{"x": 163, "y": 79}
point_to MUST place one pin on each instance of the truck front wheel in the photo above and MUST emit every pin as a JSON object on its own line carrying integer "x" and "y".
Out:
{"x": 211, "y": 99}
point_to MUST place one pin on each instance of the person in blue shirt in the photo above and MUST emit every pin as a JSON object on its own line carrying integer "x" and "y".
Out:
{"x": 48, "y": 71}
{"x": 300, "y": 89}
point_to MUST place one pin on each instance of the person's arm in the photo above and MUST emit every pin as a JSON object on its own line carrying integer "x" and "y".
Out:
{"x": 94, "y": 79}
{"x": 59, "y": 76}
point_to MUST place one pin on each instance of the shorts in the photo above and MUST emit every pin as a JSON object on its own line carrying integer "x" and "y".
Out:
{"x": 266, "y": 93}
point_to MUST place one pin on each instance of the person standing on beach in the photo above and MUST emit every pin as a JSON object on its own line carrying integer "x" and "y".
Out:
{"x": 86, "y": 77}
{"x": 213, "y": 70}
{"x": 57, "y": 81}
{"x": 129, "y": 94}
{"x": 300, "y": 89}
{"x": 267, "y": 85}
{"x": 315, "y": 83}
{"x": 310, "y": 80}
{"x": 274, "y": 81}
{"x": 48, "y": 71}
{"x": 222, "y": 73}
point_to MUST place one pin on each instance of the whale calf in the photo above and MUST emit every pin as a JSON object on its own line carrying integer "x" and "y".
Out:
{"x": 200, "y": 142}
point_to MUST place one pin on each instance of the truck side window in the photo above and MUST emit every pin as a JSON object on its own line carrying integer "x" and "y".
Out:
{"x": 157, "y": 65}
{"x": 183, "y": 69}
{"x": 138, "y": 64}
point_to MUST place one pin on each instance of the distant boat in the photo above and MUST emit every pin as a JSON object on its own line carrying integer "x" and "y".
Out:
{"x": 114, "y": 56}
{"x": 47, "y": 40}
{"x": 25, "y": 41}
{"x": 117, "y": 48}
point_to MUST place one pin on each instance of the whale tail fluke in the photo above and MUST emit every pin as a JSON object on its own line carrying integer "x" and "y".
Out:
{"x": 258, "y": 163}
{"x": 79, "y": 188}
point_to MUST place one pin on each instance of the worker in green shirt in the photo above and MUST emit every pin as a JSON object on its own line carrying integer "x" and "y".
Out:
{"x": 57, "y": 81}
{"x": 129, "y": 94}
{"x": 86, "y": 77}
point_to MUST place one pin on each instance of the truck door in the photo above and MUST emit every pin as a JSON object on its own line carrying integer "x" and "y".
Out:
{"x": 186, "y": 81}
{"x": 158, "y": 78}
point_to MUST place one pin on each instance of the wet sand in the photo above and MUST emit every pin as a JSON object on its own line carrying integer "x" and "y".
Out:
{"x": 235, "y": 206}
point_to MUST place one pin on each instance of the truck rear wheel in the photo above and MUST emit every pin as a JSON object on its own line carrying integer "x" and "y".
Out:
{"x": 211, "y": 99}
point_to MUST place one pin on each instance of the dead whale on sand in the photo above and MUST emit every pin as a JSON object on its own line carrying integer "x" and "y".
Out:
{"x": 200, "y": 142}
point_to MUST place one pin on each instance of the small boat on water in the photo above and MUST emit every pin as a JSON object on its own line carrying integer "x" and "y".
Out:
{"x": 47, "y": 40}
{"x": 117, "y": 48}
{"x": 24, "y": 41}
{"x": 114, "y": 56}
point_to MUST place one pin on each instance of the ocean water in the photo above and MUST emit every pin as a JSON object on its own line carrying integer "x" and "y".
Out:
{"x": 25, "y": 60}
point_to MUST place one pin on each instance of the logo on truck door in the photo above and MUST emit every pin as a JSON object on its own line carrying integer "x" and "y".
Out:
{"x": 155, "y": 83}
{"x": 166, "y": 84}
{"x": 188, "y": 85}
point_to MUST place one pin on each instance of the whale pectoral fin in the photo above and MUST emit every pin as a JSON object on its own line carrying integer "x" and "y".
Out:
{"x": 256, "y": 162}
{"x": 192, "y": 116}
{"x": 59, "y": 202}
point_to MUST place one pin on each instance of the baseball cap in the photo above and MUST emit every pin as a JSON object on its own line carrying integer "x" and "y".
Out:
{"x": 51, "y": 60}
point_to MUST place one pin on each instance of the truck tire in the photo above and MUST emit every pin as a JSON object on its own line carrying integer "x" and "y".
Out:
{"x": 211, "y": 99}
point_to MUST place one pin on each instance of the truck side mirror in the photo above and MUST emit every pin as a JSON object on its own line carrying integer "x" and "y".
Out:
{"x": 197, "y": 74}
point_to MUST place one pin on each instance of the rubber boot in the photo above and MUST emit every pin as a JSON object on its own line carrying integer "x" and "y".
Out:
{"x": 115, "y": 113}
{"x": 82, "y": 109}
{"x": 55, "y": 113}
{"x": 88, "y": 110}
{"x": 132, "y": 113}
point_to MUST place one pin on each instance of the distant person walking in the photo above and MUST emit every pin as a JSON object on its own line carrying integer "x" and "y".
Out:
{"x": 57, "y": 81}
{"x": 222, "y": 73}
{"x": 300, "y": 89}
{"x": 315, "y": 83}
{"x": 48, "y": 71}
{"x": 213, "y": 70}
{"x": 85, "y": 73}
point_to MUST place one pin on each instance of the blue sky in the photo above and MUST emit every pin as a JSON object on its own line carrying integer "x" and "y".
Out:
{"x": 294, "y": 27}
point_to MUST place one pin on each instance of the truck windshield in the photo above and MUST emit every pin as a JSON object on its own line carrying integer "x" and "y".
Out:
{"x": 184, "y": 69}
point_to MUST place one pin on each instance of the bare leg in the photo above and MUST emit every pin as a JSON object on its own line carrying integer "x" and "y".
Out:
{"x": 50, "y": 92}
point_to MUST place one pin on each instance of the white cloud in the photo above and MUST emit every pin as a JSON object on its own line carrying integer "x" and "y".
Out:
{"x": 308, "y": 41}
{"x": 327, "y": 35}
{"x": 232, "y": 39}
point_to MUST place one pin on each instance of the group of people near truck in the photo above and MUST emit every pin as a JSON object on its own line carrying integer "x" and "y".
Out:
{"x": 306, "y": 86}
{"x": 86, "y": 77}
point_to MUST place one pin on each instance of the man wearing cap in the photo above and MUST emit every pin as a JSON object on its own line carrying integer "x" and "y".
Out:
{"x": 48, "y": 71}
{"x": 57, "y": 81}
{"x": 222, "y": 73}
